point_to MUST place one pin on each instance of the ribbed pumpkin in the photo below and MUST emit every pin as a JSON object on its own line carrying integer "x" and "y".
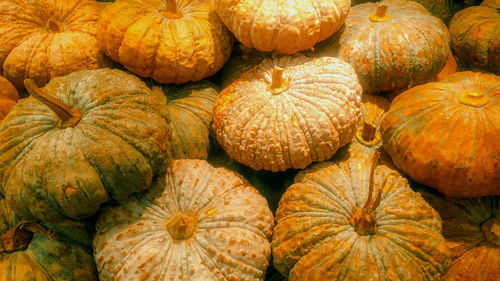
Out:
{"x": 171, "y": 41}
{"x": 285, "y": 26}
{"x": 288, "y": 112}
{"x": 392, "y": 44}
{"x": 354, "y": 219}
{"x": 82, "y": 140}
{"x": 8, "y": 97}
{"x": 445, "y": 134}
{"x": 471, "y": 228}
{"x": 190, "y": 108}
{"x": 42, "y": 39}
{"x": 196, "y": 223}
{"x": 37, "y": 252}
{"x": 475, "y": 35}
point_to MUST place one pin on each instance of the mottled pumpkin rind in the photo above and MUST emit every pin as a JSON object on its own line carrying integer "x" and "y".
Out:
{"x": 8, "y": 97}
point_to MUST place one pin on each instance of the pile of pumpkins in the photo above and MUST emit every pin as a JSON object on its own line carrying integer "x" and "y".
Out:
{"x": 249, "y": 140}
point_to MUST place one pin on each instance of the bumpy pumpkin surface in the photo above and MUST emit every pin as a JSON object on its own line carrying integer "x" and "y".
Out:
{"x": 190, "y": 107}
{"x": 171, "y": 41}
{"x": 390, "y": 49}
{"x": 475, "y": 35}
{"x": 42, "y": 39}
{"x": 445, "y": 134}
{"x": 349, "y": 219}
{"x": 471, "y": 228}
{"x": 101, "y": 138}
{"x": 285, "y": 26}
{"x": 8, "y": 97}
{"x": 288, "y": 112}
{"x": 196, "y": 223}
{"x": 43, "y": 252}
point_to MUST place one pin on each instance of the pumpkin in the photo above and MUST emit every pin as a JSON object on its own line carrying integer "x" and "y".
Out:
{"x": 354, "y": 219}
{"x": 81, "y": 140}
{"x": 285, "y": 26}
{"x": 42, "y": 39}
{"x": 190, "y": 108}
{"x": 8, "y": 97}
{"x": 471, "y": 228}
{"x": 31, "y": 251}
{"x": 392, "y": 44}
{"x": 171, "y": 41}
{"x": 288, "y": 112}
{"x": 196, "y": 222}
{"x": 475, "y": 36}
{"x": 445, "y": 134}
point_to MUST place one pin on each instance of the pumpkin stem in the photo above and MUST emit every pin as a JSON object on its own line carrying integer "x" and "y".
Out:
{"x": 491, "y": 231}
{"x": 475, "y": 99}
{"x": 68, "y": 117}
{"x": 54, "y": 26}
{"x": 181, "y": 227}
{"x": 278, "y": 84}
{"x": 381, "y": 14}
{"x": 19, "y": 237}
{"x": 171, "y": 10}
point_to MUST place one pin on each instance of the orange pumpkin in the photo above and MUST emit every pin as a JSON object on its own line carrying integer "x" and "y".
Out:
{"x": 8, "y": 97}
{"x": 445, "y": 134}
{"x": 42, "y": 39}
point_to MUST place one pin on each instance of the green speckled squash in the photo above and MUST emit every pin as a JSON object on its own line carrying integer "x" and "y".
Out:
{"x": 43, "y": 252}
{"x": 82, "y": 140}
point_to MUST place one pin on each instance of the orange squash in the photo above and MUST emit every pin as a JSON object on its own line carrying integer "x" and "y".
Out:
{"x": 8, "y": 97}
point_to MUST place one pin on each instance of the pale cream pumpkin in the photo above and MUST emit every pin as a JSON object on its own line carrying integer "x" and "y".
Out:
{"x": 196, "y": 222}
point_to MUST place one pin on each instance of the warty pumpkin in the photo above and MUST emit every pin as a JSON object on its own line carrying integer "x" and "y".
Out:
{"x": 196, "y": 222}
{"x": 8, "y": 97}
{"x": 471, "y": 228}
{"x": 285, "y": 26}
{"x": 31, "y": 251}
{"x": 445, "y": 134}
{"x": 81, "y": 140}
{"x": 288, "y": 112}
{"x": 354, "y": 219}
{"x": 42, "y": 39}
{"x": 171, "y": 41}
{"x": 392, "y": 44}
{"x": 475, "y": 35}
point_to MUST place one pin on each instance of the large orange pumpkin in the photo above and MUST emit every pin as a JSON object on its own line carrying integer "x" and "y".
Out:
{"x": 171, "y": 41}
{"x": 445, "y": 134}
{"x": 42, "y": 39}
{"x": 8, "y": 97}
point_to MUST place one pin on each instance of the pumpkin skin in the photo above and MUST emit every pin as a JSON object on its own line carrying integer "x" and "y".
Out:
{"x": 8, "y": 97}
{"x": 55, "y": 171}
{"x": 208, "y": 221}
{"x": 318, "y": 237}
{"x": 171, "y": 41}
{"x": 285, "y": 26}
{"x": 190, "y": 108}
{"x": 423, "y": 132}
{"x": 469, "y": 227}
{"x": 409, "y": 48}
{"x": 62, "y": 253}
{"x": 475, "y": 36}
{"x": 43, "y": 39}
{"x": 302, "y": 116}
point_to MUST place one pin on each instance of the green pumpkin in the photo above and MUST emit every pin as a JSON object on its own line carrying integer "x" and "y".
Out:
{"x": 102, "y": 138}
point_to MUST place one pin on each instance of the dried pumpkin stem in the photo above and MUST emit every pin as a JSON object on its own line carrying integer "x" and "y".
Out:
{"x": 171, "y": 10}
{"x": 369, "y": 131}
{"x": 54, "y": 25}
{"x": 372, "y": 180}
{"x": 278, "y": 84}
{"x": 381, "y": 14}
{"x": 491, "y": 231}
{"x": 68, "y": 117}
{"x": 181, "y": 227}
{"x": 475, "y": 99}
{"x": 19, "y": 237}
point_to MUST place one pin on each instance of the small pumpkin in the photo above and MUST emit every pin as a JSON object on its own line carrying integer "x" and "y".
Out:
{"x": 196, "y": 222}
{"x": 355, "y": 219}
{"x": 475, "y": 36}
{"x": 471, "y": 228}
{"x": 285, "y": 26}
{"x": 31, "y": 251}
{"x": 42, "y": 39}
{"x": 81, "y": 140}
{"x": 171, "y": 41}
{"x": 392, "y": 44}
{"x": 8, "y": 97}
{"x": 445, "y": 134}
{"x": 288, "y": 112}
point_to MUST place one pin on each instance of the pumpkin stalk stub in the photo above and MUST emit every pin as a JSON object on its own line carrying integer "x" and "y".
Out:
{"x": 181, "y": 227}
{"x": 491, "y": 231}
{"x": 381, "y": 14}
{"x": 54, "y": 25}
{"x": 171, "y": 10}
{"x": 19, "y": 237}
{"x": 68, "y": 117}
{"x": 368, "y": 135}
{"x": 278, "y": 84}
{"x": 475, "y": 99}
